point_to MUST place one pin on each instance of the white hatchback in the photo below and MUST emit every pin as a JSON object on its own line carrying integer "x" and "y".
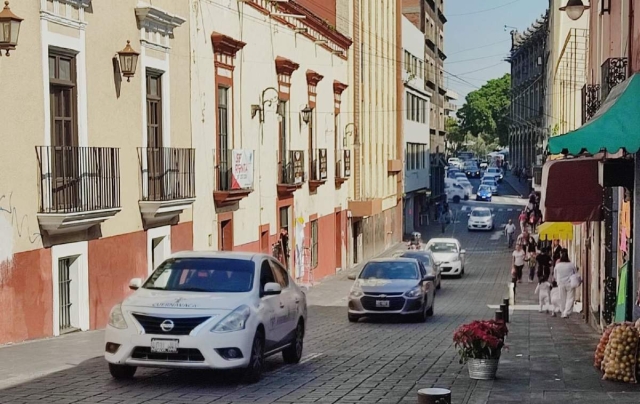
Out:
{"x": 203, "y": 310}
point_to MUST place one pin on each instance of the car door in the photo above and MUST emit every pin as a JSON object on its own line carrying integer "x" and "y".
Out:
{"x": 273, "y": 309}
{"x": 290, "y": 299}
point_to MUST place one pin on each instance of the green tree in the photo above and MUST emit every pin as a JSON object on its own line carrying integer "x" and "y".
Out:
{"x": 455, "y": 135}
{"x": 486, "y": 111}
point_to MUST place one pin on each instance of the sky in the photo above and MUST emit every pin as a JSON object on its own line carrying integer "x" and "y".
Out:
{"x": 476, "y": 41}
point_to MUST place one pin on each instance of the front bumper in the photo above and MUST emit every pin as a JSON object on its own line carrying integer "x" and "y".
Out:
{"x": 479, "y": 226}
{"x": 483, "y": 198}
{"x": 398, "y": 305}
{"x": 451, "y": 268}
{"x": 194, "y": 351}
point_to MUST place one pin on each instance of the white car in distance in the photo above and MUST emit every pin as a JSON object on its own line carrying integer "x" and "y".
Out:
{"x": 448, "y": 254}
{"x": 480, "y": 219}
{"x": 208, "y": 310}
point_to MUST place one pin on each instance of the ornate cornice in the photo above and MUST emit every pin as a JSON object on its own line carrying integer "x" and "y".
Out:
{"x": 313, "y": 78}
{"x": 339, "y": 87}
{"x": 285, "y": 66}
{"x": 225, "y": 44}
{"x": 154, "y": 18}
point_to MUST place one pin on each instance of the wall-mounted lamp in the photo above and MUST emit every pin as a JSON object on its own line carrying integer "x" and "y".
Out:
{"x": 306, "y": 114}
{"x": 574, "y": 9}
{"x": 9, "y": 29}
{"x": 348, "y": 133}
{"x": 128, "y": 61}
{"x": 259, "y": 108}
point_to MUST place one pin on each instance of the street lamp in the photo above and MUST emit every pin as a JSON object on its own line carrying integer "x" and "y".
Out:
{"x": 128, "y": 61}
{"x": 9, "y": 29}
{"x": 306, "y": 114}
{"x": 574, "y": 9}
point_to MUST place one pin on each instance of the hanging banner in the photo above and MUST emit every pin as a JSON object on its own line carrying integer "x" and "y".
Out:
{"x": 241, "y": 169}
{"x": 621, "y": 304}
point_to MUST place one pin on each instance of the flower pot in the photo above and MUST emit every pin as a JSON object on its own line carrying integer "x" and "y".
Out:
{"x": 483, "y": 369}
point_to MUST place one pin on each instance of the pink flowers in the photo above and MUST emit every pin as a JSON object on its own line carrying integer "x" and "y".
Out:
{"x": 482, "y": 339}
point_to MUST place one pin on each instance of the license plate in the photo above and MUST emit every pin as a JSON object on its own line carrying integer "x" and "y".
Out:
{"x": 382, "y": 303}
{"x": 164, "y": 345}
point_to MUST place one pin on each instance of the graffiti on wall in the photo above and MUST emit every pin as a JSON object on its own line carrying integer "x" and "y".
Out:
{"x": 10, "y": 219}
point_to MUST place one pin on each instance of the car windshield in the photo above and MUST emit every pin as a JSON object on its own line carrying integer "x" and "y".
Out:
{"x": 488, "y": 182}
{"x": 493, "y": 170}
{"x": 210, "y": 275}
{"x": 422, "y": 257}
{"x": 443, "y": 247}
{"x": 390, "y": 270}
{"x": 484, "y": 188}
{"x": 480, "y": 213}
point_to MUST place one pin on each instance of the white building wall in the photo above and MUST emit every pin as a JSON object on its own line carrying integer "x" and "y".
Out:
{"x": 254, "y": 72}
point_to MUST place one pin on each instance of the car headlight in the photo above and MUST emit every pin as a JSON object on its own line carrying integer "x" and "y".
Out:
{"x": 116, "y": 317}
{"x": 415, "y": 292}
{"x": 356, "y": 293}
{"x": 455, "y": 259}
{"x": 234, "y": 321}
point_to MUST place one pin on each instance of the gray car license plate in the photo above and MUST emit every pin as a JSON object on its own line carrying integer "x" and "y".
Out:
{"x": 164, "y": 345}
{"x": 382, "y": 303}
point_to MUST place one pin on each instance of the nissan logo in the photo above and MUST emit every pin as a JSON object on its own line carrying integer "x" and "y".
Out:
{"x": 382, "y": 296}
{"x": 166, "y": 325}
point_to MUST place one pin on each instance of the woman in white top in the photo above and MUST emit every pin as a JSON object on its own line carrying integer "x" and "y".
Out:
{"x": 562, "y": 275}
{"x": 518, "y": 262}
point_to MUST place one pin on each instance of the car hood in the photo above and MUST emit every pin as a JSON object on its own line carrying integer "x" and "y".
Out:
{"x": 385, "y": 285}
{"x": 161, "y": 299}
{"x": 480, "y": 219}
{"x": 445, "y": 257}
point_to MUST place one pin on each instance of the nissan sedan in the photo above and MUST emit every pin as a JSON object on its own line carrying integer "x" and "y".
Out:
{"x": 449, "y": 255}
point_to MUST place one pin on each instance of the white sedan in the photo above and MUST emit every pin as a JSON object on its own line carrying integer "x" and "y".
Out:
{"x": 208, "y": 310}
{"x": 480, "y": 219}
{"x": 448, "y": 254}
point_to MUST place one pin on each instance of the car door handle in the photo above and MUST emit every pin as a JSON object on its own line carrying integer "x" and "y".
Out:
{"x": 281, "y": 305}
{"x": 297, "y": 300}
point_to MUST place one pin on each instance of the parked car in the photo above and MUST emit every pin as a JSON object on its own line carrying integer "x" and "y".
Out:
{"x": 449, "y": 255}
{"x": 496, "y": 172}
{"x": 198, "y": 310}
{"x": 490, "y": 181}
{"x": 484, "y": 193}
{"x": 480, "y": 219}
{"x": 429, "y": 262}
{"x": 392, "y": 286}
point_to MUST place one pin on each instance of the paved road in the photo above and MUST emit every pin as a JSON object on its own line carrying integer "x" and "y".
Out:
{"x": 368, "y": 362}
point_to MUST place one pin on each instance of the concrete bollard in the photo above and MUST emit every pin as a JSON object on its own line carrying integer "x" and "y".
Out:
{"x": 505, "y": 312}
{"x": 434, "y": 396}
{"x": 499, "y": 316}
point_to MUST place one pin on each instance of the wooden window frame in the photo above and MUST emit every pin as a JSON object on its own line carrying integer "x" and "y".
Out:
{"x": 151, "y": 74}
{"x": 314, "y": 235}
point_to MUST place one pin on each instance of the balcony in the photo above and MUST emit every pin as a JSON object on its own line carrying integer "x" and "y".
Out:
{"x": 613, "y": 72}
{"x": 291, "y": 173}
{"x": 394, "y": 166}
{"x": 168, "y": 185}
{"x": 79, "y": 187}
{"x": 343, "y": 166}
{"x": 370, "y": 207}
{"x": 234, "y": 176}
{"x": 590, "y": 101}
{"x": 318, "y": 169}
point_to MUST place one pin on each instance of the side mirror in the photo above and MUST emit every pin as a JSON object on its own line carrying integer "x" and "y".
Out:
{"x": 135, "y": 283}
{"x": 463, "y": 251}
{"x": 272, "y": 288}
{"x": 351, "y": 277}
{"x": 468, "y": 214}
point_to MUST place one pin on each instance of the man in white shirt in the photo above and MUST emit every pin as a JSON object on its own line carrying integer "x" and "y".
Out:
{"x": 518, "y": 262}
{"x": 509, "y": 231}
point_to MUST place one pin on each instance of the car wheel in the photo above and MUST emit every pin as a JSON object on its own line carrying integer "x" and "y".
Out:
{"x": 353, "y": 318}
{"x": 253, "y": 372}
{"x": 293, "y": 352}
{"x": 422, "y": 317}
{"x": 466, "y": 197}
{"x": 430, "y": 311}
{"x": 122, "y": 372}
{"x": 456, "y": 199}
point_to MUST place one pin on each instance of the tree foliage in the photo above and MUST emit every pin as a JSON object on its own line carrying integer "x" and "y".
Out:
{"x": 455, "y": 135}
{"x": 486, "y": 110}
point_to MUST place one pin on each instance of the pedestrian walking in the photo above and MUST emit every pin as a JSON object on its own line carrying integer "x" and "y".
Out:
{"x": 518, "y": 257}
{"x": 531, "y": 263}
{"x": 527, "y": 242}
{"x": 556, "y": 251}
{"x": 555, "y": 299}
{"x": 562, "y": 274}
{"x": 543, "y": 290}
{"x": 523, "y": 220}
{"x": 509, "y": 231}
{"x": 544, "y": 264}
{"x": 442, "y": 219}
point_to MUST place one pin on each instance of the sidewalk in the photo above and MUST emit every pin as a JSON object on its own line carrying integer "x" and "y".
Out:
{"x": 521, "y": 188}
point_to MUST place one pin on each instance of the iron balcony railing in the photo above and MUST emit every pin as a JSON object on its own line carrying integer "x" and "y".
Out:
{"x": 167, "y": 173}
{"x": 234, "y": 169}
{"x": 613, "y": 72}
{"x": 343, "y": 163}
{"x": 292, "y": 168}
{"x": 590, "y": 101}
{"x": 78, "y": 179}
{"x": 319, "y": 165}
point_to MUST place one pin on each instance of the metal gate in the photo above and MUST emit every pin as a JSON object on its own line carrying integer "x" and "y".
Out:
{"x": 64, "y": 294}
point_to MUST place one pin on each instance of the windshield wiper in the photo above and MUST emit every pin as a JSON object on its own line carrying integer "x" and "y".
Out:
{"x": 153, "y": 288}
{"x": 192, "y": 290}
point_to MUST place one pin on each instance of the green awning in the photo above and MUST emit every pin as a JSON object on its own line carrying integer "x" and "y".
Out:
{"x": 615, "y": 126}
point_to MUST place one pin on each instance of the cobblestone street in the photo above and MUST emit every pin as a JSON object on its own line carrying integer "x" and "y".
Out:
{"x": 549, "y": 361}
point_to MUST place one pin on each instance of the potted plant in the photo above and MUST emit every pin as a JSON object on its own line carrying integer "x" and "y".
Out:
{"x": 479, "y": 344}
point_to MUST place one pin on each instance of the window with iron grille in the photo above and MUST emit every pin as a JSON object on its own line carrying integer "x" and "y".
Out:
{"x": 223, "y": 139}
{"x": 314, "y": 244}
{"x": 64, "y": 295}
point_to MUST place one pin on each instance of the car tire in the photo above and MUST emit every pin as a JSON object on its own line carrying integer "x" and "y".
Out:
{"x": 466, "y": 197}
{"x": 456, "y": 199}
{"x": 122, "y": 372}
{"x": 430, "y": 310}
{"x": 253, "y": 372}
{"x": 422, "y": 316}
{"x": 353, "y": 318}
{"x": 293, "y": 353}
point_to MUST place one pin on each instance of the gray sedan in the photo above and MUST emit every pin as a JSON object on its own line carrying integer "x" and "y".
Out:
{"x": 426, "y": 258}
{"x": 396, "y": 286}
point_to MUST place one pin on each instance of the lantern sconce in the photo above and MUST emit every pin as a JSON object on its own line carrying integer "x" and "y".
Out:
{"x": 306, "y": 114}
{"x": 9, "y": 29}
{"x": 348, "y": 133}
{"x": 574, "y": 9}
{"x": 128, "y": 61}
